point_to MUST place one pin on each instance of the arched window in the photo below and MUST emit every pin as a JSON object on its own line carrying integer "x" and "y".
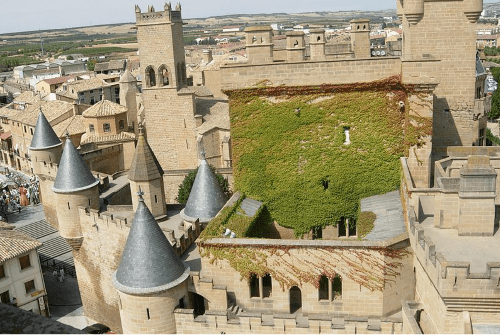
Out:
{"x": 163, "y": 76}
{"x": 106, "y": 127}
{"x": 267, "y": 286}
{"x": 254, "y": 286}
{"x": 121, "y": 124}
{"x": 324, "y": 285}
{"x": 150, "y": 77}
{"x": 337, "y": 288}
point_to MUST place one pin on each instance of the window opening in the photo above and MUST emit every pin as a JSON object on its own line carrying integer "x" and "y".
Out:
{"x": 121, "y": 124}
{"x": 91, "y": 128}
{"x": 24, "y": 262}
{"x": 2, "y": 271}
{"x": 29, "y": 286}
{"x": 324, "y": 282}
{"x": 106, "y": 127}
{"x": 337, "y": 287}
{"x": 267, "y": 286}
{"x": 147, "y": 311}
{"x": 342, "y": 230}
{"x": 317, "y": 233}
{"x": 4, "y": 297}
{"x": 254, "y": 286}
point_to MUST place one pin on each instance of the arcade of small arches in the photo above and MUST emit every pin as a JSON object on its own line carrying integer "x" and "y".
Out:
{"x": 161, "y": 77}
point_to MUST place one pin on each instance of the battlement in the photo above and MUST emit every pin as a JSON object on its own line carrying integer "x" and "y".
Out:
{"x": 217, "y": 321}
{"x": 459, "y": 286}
{"x": 153, "y": 17}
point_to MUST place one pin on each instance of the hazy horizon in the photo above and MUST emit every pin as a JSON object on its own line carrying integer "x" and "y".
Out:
{"x": 27, "y": 15}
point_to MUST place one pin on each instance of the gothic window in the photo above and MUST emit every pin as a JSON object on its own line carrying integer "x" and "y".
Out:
{"x": 254, "y": 286}
{"x": 150, "y": 77}
{"x": 267, "y": 286}
{"x": 106, "y": 127}
{"x": 347, "y": 227}
{"x": 324, "y": 285}
{"x": 337, "y": 288}
{"x": 164, "y": 76}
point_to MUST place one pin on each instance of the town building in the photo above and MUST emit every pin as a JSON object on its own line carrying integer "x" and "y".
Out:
{"x": 21, "y": 278}
{"x": 89, "y": 91}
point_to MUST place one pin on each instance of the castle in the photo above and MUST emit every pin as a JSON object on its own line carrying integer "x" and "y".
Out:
{"x": 427, "y": 265}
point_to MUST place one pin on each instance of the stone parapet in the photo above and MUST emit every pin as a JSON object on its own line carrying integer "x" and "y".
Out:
{"x": 217, "y": 321}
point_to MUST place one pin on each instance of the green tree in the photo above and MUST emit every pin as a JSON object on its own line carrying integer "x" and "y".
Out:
{"x": 495, "y": 98}
{"x": 91, "y": 64}
{"x": 187, "y": 185}
{"x": 69, "y": 57}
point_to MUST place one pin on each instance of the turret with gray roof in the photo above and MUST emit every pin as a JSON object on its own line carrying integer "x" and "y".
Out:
{"x": 44, "y": 136}
{"x": 149, "y": 263}
{"x": 45, "y": 146}
{"x": 206, "y": 197}
{"x": 73, "y": 174}
{"x": 146, "y": 173}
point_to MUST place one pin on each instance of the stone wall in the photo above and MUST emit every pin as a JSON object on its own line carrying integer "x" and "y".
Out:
{"x": 300, "y": 263}
{"x": 309, "y": 72}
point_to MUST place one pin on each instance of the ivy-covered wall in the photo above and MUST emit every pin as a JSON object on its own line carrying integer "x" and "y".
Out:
{"x": 289, "y": 151}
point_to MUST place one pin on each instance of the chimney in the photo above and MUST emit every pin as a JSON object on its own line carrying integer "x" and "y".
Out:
{"x": 207, "y": 56}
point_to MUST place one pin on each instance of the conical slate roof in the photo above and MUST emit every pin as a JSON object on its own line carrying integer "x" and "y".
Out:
{"x": 127, "y": 77}
{"x": 144, "y": 164}
{"x": 44, "y": 136}
{"x": 206, "y": 197}
{"x": 149, "y": 263}
{"x": 73, "y": 175}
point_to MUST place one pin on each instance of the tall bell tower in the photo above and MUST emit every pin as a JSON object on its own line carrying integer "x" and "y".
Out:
{"x": 169, "y": 104}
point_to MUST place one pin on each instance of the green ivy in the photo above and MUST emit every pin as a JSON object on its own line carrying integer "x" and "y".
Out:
{"x": 288, "y": 147}
{"x": 491, "y": 137}
{"x": 365, "y": 223}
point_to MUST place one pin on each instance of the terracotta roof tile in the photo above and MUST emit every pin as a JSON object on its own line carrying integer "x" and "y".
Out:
{"x": 104, "y": 108}
{"x": 121, "y": 137}
{"x": 14, "y": 243}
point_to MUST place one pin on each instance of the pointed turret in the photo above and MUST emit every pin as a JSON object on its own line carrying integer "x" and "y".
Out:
{"x": 150, "y": 268}
{"x": 128, "y": 97}
{"x": 44, "y": 136}
{"x": 73, "y": 174}
{"x": 74, "y": 186}
{"x": 146, "y": 174}
{"x": 45, "y": 146}
{"x": 206, "y": 197}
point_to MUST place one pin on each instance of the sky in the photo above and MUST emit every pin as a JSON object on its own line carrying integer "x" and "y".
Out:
{"x": 28, "y": 15}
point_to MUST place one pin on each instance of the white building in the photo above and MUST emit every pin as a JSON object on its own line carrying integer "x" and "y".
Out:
{"x": 21, "y": 279}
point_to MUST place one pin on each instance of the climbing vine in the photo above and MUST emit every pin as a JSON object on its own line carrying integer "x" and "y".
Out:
{"x": 373, "y": 268}
{"x": 289, "y": 147}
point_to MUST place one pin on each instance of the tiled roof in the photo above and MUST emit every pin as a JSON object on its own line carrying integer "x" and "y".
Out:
{"x": 144, "y": 164}
{"x": 6, "y": 135}
{"x": 14, "y": 243}
{"x": 28, "y": 96}
{"x": 73, "y": 88}
{"x": 73, "y": 174}
{"x": 121, "y": 137}
{"x": 44, "y": 136}
{"x": 206, "y": 197}
{"x": 215, "y": 115}
{"x": 9, "y": 111}
{"x": 51, "y": 109}
{"x": 115, "y": 64}
{"x": 58, "y": 80}
{"x": 73, "y": 125}
{"x": 104, "y": 108}
{"x": 149, "y": 263}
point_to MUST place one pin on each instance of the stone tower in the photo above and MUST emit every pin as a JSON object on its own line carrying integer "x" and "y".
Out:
{"x": 259, "y": 44}
{"x": 360, "y": 38}
{"x": 151, "y": 279}
{"x": 317, "y": 44}
{"x": 45, "y": 150}
{"x": 169, "y": 107}
{"x": 145, "y": 174}
{"x": 206, "y": 197}
{"x": 128, "y": 98}
{"x": 74, "y": 186}
{"x": 439, "y": 46}
{"x": 295, "y": 46}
